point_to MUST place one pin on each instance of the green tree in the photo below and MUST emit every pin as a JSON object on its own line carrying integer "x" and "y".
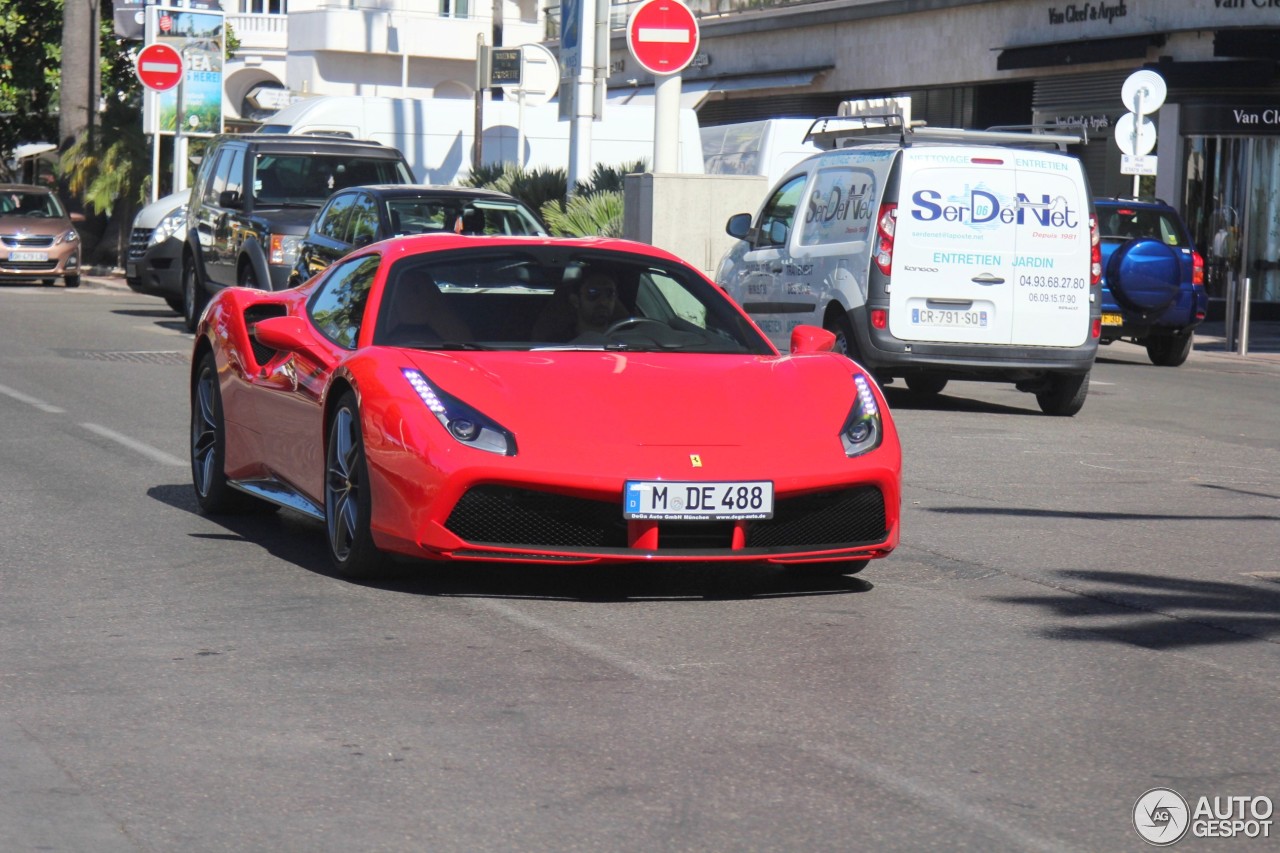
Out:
{"x": 30, "y": 64}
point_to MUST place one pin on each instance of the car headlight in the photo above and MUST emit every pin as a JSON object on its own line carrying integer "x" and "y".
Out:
{"x": 171, "y": 226}
{"x": 460, "y": 420}
{"x": 862, "y": 430}
{"x": 68, "y": 236}
{"x": 284, "y": 249}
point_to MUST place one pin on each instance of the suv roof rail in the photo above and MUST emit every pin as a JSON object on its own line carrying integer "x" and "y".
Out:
{"x": 845, "y": 131}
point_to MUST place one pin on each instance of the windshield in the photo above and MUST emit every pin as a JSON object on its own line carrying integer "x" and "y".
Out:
{"x": 429, "y": 214}
{"x": 39, "y": 205}
{"x": 309, "y": 179}
{"x": 553, "y": 298}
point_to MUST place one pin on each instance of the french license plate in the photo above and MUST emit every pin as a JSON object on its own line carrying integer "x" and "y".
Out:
{"x": 1112, "y": 320}
{"x": 947, "y": 317}
{"x": 660, "y": 500}
{"x": 28, "y": 256}
{"x": 131, "y": 270}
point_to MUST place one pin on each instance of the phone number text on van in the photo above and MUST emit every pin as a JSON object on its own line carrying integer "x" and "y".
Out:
{"x": 984, "y": 207}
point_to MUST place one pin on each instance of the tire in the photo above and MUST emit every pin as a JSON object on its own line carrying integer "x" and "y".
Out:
{"x": 838, "y": 325}
{"x": 248, "y": 278}
{"x": 347, "y": 504}
{"x": 1169, "y": 350}
{"x": 71, "y": 281}
{"x": 926, "y": 384}
{"x": 193, "y": 296}
{"x": 214, "y": 495}
{"x": 1063, "y": 393}
{"x": 827, "y": 570}
{"x": 175, "y": 304}
{"x": 48, "y": 282}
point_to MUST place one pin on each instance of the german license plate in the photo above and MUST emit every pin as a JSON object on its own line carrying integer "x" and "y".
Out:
{"x": 1112, "y": 320}
{"x": 661, "y": 500}
{"x": 949, "y": 318}
{"x": 28, "y": 256}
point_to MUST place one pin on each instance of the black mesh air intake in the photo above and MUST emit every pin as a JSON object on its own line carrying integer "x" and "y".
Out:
{"x": 848, "y": 517}
{"x": 507, "y": 516}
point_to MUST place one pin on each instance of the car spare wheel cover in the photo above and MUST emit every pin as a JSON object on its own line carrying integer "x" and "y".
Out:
{"x": 1144, "y": 275}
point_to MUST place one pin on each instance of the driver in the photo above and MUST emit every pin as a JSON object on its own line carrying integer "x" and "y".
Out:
{"x": 595, "y": 303}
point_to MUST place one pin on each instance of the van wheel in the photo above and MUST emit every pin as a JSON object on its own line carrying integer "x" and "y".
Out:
{"x": 1169, "y": 350}
{"x": 1063, "y": 393}
{"x": 926, "y": 384}
{"x": 838, "y": 325}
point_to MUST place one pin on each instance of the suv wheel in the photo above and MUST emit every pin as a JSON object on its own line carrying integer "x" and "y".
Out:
{"x": 192, "y": 295}
{"x": 1063, "y": 393}
{"x": 1169, "y": 350}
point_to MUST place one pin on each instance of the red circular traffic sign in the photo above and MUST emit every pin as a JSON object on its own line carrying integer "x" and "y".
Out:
{"x": 159, "y": 67}
{"x": 663, "y": 36}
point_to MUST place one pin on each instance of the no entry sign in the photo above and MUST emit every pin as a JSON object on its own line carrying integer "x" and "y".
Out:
{"x": 663, "y": 36}
{"x": 159, "y": 67}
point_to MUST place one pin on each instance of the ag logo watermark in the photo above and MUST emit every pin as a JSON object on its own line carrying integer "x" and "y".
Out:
{"x": 1162, "y": 817}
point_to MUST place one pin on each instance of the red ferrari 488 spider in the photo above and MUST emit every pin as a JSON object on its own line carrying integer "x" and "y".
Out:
{"x": 538, "y": 400}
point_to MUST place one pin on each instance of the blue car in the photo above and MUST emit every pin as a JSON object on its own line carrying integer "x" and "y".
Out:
{"x": 1152, "y": 278}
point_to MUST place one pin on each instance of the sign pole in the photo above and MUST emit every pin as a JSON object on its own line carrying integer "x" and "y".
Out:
{"x": 663, "y": 37}
{"x": 1137, "y": 130}
{"x": 666, "y": 123}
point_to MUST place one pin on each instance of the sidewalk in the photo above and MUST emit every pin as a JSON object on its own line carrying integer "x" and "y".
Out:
{"x": 1264, "y": 340}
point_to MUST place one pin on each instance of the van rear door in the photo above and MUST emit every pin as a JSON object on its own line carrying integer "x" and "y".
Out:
{"x": 955, "y": 242}
{"x": 991, "y": 247}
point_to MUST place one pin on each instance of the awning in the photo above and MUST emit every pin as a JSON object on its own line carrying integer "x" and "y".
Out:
{"x": 694, "y": 92}
{"x": 1252, "y": 42}
{"x": 1077, "y": 52}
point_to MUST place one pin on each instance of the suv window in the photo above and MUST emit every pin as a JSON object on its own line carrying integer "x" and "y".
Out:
{"x": 339, "y": 304}
{"x": 218, "y": 181}
{"x": 364, "y": 221}
{"x": 290, "y": 178}
{"x": 332, "y": 222}
{"x": 1125, "y": 223}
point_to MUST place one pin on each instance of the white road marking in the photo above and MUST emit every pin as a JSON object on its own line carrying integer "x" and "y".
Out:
{"x": 135, "y": 445}
{"x": 31, "y": 401}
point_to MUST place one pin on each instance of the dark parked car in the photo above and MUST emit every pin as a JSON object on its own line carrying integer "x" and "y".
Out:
{"x": 1153, "y": 278}
{"x": 154, "y": 263}
{"x": 38, "y": 238}
{"x": 362, "y": 215}
{"x": 253, "y": 201}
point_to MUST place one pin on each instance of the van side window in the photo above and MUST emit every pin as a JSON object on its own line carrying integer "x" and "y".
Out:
{"x": 840, "y": 207}
{"x": 779, "y": 215}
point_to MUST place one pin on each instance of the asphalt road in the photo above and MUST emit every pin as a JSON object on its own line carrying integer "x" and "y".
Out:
{"x": 1081, "y": 610}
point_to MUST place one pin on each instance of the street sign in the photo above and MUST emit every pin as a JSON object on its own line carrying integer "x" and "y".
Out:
{"x": 1135, "y": 134}
{"x": 159, "y": 67}
{"x": 663, "y": 36}
{"x": 1143, "y": 92}
{"x": 506, "y": 66}
{"x": 1143, "y": 164}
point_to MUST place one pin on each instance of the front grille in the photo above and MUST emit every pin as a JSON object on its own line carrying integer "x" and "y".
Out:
{"x": 30, "y": 266}
{"x": 500, "y": 515}
{"x": 848, "y": 517}
{"x": 19, "y": 242}
{"x": 138, "y": 240}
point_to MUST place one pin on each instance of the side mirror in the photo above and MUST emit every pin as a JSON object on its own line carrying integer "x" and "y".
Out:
{"x": 228, "y": 198}
{"x": 738, "y": 225}
{"x": 805, "y": 339}
{"x": 361, "y": 241}
{"x": 289, "y": 334}
{"x": 77, "y": 217}
{"x": 777, "y": 233}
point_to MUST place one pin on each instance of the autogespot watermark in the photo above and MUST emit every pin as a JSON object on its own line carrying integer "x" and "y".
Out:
{"x": 1162, "y": 817}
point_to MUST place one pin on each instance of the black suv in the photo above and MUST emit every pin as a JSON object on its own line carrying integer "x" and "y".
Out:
{"x": 253, "y": 201}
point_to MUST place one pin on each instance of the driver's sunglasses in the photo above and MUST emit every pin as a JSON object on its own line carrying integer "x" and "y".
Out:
{"x": 595, "y": 292}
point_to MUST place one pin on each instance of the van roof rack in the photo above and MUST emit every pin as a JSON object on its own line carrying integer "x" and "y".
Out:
{"x": 846, "y": 131}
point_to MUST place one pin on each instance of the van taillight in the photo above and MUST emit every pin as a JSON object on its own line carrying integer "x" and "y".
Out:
{"x": 879, "y": 318}
{"x": 1095, "y": 251}
{"x": 1197, "y": 269}
{"x": 886, "y": 222}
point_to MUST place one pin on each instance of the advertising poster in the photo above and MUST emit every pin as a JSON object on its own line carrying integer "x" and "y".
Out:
{"x": 130, "y": 15}
{"x": 197, "y": 35}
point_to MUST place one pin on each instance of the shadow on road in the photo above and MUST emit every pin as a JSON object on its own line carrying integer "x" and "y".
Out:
{"x": 902, "y": 398}
{"x": 298, "y": 540}
{"x": 1158, "y": 611}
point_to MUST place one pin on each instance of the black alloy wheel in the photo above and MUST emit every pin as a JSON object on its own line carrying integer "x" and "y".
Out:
{"x": 347, "y": 506}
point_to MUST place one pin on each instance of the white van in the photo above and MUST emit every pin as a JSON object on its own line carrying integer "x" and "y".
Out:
{"x": 768, "y": 147}
{"x": 932, "y": 255}
{"x": 435, "y": 135}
